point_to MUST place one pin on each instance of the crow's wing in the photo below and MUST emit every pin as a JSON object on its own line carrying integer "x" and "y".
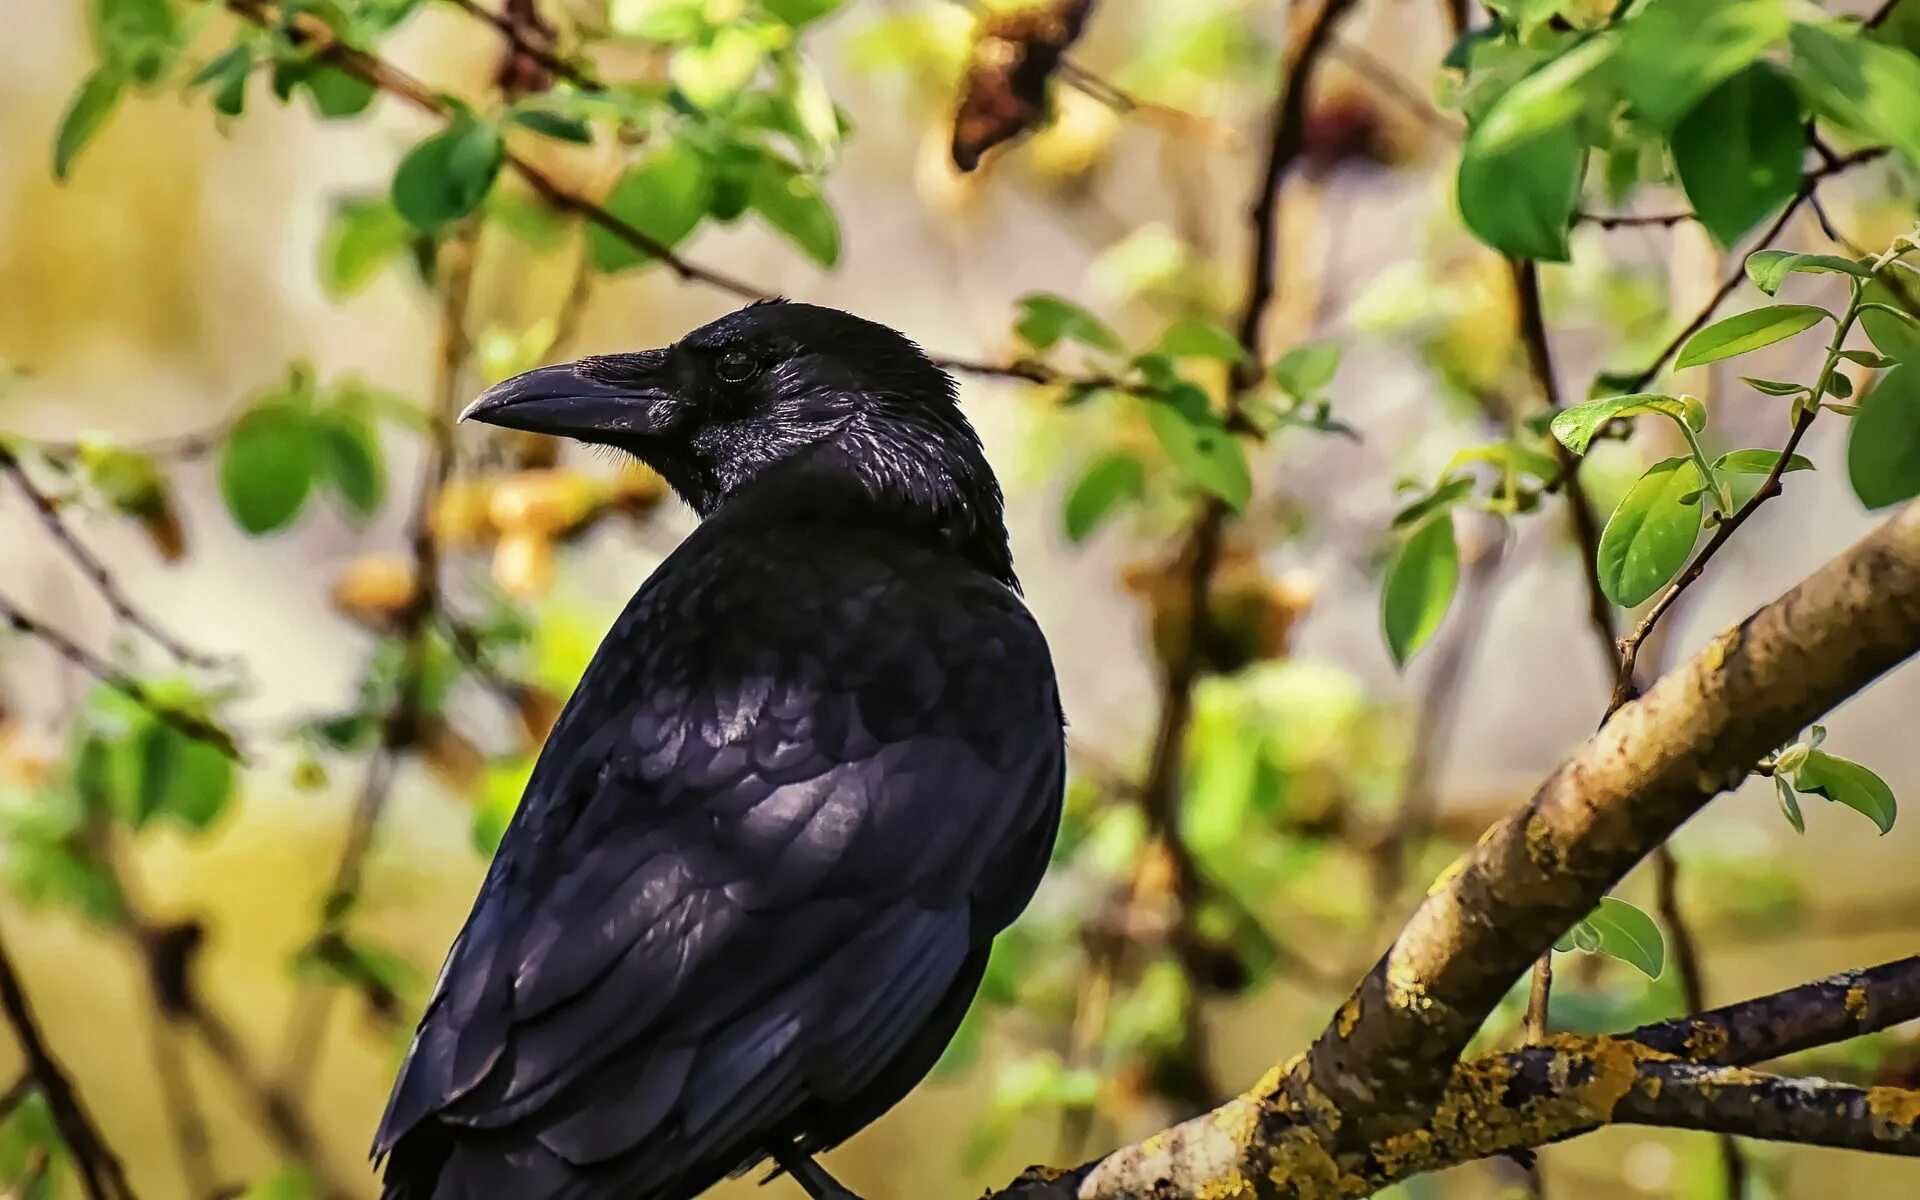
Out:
{"x": 796, "y": 791}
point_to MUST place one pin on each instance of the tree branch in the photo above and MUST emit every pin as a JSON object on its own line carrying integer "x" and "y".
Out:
{"x": 1379, "y": 1076}
{"x": 190, "y": 724}
{"x": 100, "y": 1170}
{"x": 96, "y": 571}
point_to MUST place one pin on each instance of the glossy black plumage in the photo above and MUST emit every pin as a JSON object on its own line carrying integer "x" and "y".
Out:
{"x": 814, "y": 767}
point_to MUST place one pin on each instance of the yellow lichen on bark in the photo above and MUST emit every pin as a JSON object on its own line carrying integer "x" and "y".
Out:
{"x": 1896, "y": 1107}
{"x": 1856, "y": 1002}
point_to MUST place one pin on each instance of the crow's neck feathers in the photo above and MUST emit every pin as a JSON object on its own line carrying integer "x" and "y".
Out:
{"x": 899, "y": 463}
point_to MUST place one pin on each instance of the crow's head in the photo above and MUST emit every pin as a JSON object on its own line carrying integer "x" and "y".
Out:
{"x": 808, "y": 399}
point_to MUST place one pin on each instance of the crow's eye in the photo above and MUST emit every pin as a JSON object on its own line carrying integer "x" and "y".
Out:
{"x": 736, "y": 366}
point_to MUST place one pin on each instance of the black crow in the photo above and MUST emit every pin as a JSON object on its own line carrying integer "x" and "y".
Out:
{"x": 813, "y": 769}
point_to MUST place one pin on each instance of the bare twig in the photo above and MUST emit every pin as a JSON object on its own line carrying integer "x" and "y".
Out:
{"x": 192, "y": 725}
{"x": 1808, "y": 184}
{"x": 1880, "y": 14}
{"x": 96, "y": 571}
{"x": 567, "y": 69}
{"x": 1632, "y": 220}
{"x": 399, "y": 725}
{"x": 100, "y": 1170}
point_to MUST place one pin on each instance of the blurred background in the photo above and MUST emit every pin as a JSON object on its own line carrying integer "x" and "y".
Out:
{"x": 230, "y": 338}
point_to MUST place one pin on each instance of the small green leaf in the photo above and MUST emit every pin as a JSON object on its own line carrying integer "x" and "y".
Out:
{"x": 1626, "y": 933}
{"x": 1789, "y": 804}
{"x": 229, "y": 71}
{"x": 337, "y": 93}
{"x": 1868, "y": 358}
{"x": 713, "y": 73}
{"x": 1520, "y": 199}
{"x": 1108, "y": 482}
{"x": 1748, "y": 331}
{"x": 1758, "y": 462}
{"x": 1044, "y": 319}
{"x": 1769, "y": 268}
{"x": 1305, "y": 371}
{"x": 1847, "y": 782}
{"x": 364, "y": 235}
{"x": 1419, "y": 587}
{"x": 1448, "y": 494}
{"x": 1196, "y": 337}
{"x": 664, "y": 196}
{"x": 350, "y": 460}
{"x": 1839, "y": 386}
{"x": 548, "y": 123}
{"x": 1883, "y": 448}
{"x": 799, "y": 12}
{"x": 1199, "y": 446}
{"x": 267, "y": 467}
{"x": 1651, "y": 533}
{"x": 1738, "y": 152}
{"x": 1574, "y": 427}
{"x": 1773, "y": 387}
{"x": 792, "y": 203}
{"x": 86, "y": 115}
{"x": 448, "y": 175}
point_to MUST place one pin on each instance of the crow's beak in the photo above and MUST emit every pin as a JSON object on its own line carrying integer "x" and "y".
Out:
{"x": 620, "y": 397}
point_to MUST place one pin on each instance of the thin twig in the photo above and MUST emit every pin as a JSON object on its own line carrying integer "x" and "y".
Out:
{"x": 566, "y": 69}
{"x": 1376, "y": 71}
{"x": 193, "y": 726}
{"x": 1808, "y": 184}
{"x": 1881, "y": 14}
{"x": 100, "y": 1171}
{"x": 1632, "y": 220}
{"x": 95, "y": 570}
{"x": 399, "y": 725}
{"x": 182, "y": 1105}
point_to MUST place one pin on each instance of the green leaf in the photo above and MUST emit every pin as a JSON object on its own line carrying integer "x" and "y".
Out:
{"x": 230, "y": 72}
{"x": 1626, "y": 933}
{"x": 1651, "y": 533}
{"x": 1868, "y": 358}
{"x": 182, "y": 779}
{"x": 350, "y": 460}
{"x": 1305, "y": 371}
{"x": 1847, "y": 782}
{"x": 1419, "y": 587}
{"x": 664, "y": 196}
{"x": 267, "y": 467}
{"x": 1789, "y": 804}
{"x": 1044, "y": 319}
{"x": 1773, "y": 387}
{"x": 1444, "y": 497}
{"x": 1839, "y": 386}
{"x": 1574, "y": 427}
{"x": 1199, "y": 446}
{"x": 86, "y": 115}
{"x": 1196, "y": 337}
{"x": 791, "y": 203}
{"x": 1108, "y": 482}
{"x": 713, "y": 73}
{"x": 135, "y": 38}
{"x": 1553, "y": 98}
{"x": 1738, "y": 152}
{"x": 448, "y": 175}
{"x": 799, "y": 12}
{"x": 1758, "y": 462}
{"x": 1895, "y": 336}
{"x": 1769, "y": 268}
{"x": 364, "y": 235}
{"x": 1673, "y": 52}
{"x": 548, "y": 123}
{"x": 336, "y": 93}
{"x": 1883, "y": 448}
{"x": 1868, "y": 86}
{"x": 1520, "y": 198}
{"x": 1748, "y": 331}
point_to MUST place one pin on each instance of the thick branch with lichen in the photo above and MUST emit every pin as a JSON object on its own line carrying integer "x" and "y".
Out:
{"x": 1384, "y": 1072}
